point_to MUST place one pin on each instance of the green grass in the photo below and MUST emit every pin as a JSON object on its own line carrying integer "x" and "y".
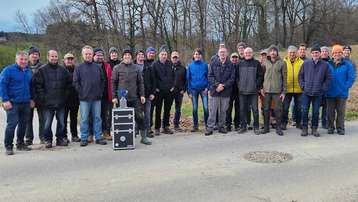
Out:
{"x": 351, "y": 115}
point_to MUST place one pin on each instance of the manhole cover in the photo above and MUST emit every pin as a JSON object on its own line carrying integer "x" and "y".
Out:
{"x": 268, "y": 157}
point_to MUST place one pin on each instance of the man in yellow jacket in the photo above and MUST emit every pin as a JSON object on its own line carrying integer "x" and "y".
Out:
{"x": 294, "y": 91}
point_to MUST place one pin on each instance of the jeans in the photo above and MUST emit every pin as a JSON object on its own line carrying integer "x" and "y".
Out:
{"x": 249, "y": 103}
{"x": 296, "y": 97}
{"x": 49, "y": 113}
{"x": 204, "y": 98}
{"x": 218, "y": 105}
{"x": 233, "y": 104}
{"x": 306, "y": 102}
{"x": 167, "y": 98}
{"x": 178, "y": 100}
{"x": 72, "y": 111}
{"x": 16, "y": 116}
{"x": 147, "y": 108}
{"x": 90, "y": 109}
{"x": 29, "y": 133}
{"x": 336, "y": 110}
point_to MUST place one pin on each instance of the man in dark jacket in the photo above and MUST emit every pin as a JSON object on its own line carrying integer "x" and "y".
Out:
{"x": 179, "y": 88}
{"x": 249, "y": 78}
{"x": 52, "y": 83}
{"x": 89, "y": 82}
{"x": 325, "y": 56}
{"x": 150, "y": 58}
{"x": 72, "y": 104}
{"x": 106, "y": 102}
{"x": 234, "y": 99}
{"x": 164, "y": 86}
{"x": 113, "y": 57}
{"x": 149, "y": 89}
{"x": 127, "y": 76}
{"x": 16, "y": 98}
{"x": 221, "y": 77}
{"x": 34, "y": 65}
{"x": 315, "y": 79}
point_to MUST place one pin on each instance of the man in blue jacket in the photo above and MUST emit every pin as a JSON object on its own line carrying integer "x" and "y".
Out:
{"x": 221, "y": 78}
{"x": 343, "y": 76}
{"x": 197, "y": 80}
{"x": 314, "y": 79}
{"x": 16, "y": 96}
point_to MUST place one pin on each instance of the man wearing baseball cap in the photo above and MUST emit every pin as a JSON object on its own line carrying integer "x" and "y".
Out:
{"x": 73, "y": 103}
{"x": 234, "y": 99}
{"x": 343, "y": 76}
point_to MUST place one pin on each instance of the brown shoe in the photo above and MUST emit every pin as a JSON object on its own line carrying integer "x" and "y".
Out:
{"x": 107, "y": 136}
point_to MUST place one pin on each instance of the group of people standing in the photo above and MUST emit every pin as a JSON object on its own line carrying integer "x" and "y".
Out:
{"x": 236, "y": 82}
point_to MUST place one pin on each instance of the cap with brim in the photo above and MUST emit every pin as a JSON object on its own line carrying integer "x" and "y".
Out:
{"x": 234, "y": 55}
{"x": 175, "y": 54}
{"x": 262, "y": 52}
{"x": 69, "y": 55}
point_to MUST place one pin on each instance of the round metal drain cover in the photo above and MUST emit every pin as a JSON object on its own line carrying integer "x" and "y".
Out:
{"x": 268, "y": 157}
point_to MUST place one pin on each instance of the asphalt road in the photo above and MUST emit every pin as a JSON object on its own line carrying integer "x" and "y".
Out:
{"x": 187, "y": 167}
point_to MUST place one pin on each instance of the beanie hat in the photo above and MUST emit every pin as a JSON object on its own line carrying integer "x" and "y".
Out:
{"x": 127, "y": 50}
{"x": 243, "y": 44}
{"x": 113, "y": 49}
{"x": 139, "y": 51}
{"x": 151, "y": 49}
{"x": 96, "y": 50}
{"x": 324, "y": 48}
{"x": 33, "y": 49}
{"x": 163, "y": 48}
{"x": 337, "y": 48}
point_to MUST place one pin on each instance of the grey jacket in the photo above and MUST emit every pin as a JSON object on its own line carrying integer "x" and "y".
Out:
{"x": 127, "y": 77}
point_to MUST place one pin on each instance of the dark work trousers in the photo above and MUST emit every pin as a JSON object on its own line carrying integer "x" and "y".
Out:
{"x": 249, "y": 103}
{"x": 167, "y": 99}
{"x": 233, "y": 104}
{"x": 49, "y": 114}
{"x": 336, "y": 110}
{"x": 296, "y": 98}
{"x": 29, "y": 133}
{"x": 138, "y": 113}
{"x": 275, "y": 97}
{"x": 324, "y": 118}
{"x": 178, "y": 100}
{"x": 72, "y": 111}
{"x": 152, "y": 107}
{"x": 106, "y": 115}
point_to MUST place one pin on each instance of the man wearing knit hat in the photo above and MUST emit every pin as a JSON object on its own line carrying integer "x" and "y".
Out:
{"x": 106, "y": 103}
{"x": 314, "y": 78}
{"x": 149, "y": 88}
{"x": 34, "y": 65}
{"x": 113, "y": 57}
{"x": 274, "y": 88}
{"x": 294, "y": 91}
{"x": 343, "y": 76}
{"x": 127, "y": 76}
{"x": 164, "y": 85}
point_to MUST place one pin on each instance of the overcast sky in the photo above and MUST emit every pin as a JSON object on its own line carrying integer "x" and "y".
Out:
{"x": 8, "y": 9}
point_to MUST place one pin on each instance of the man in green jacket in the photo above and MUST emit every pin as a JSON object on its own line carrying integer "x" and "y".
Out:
{"x": 274, "y": 88}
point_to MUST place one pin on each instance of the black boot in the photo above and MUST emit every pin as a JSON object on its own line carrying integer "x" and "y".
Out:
{"x": 266, "y": 122}
{"x": 315, "y": 132}
{"x": 304, "y": 132}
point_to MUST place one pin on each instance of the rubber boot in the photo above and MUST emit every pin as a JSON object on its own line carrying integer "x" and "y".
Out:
{"x": 144, "y": 139}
